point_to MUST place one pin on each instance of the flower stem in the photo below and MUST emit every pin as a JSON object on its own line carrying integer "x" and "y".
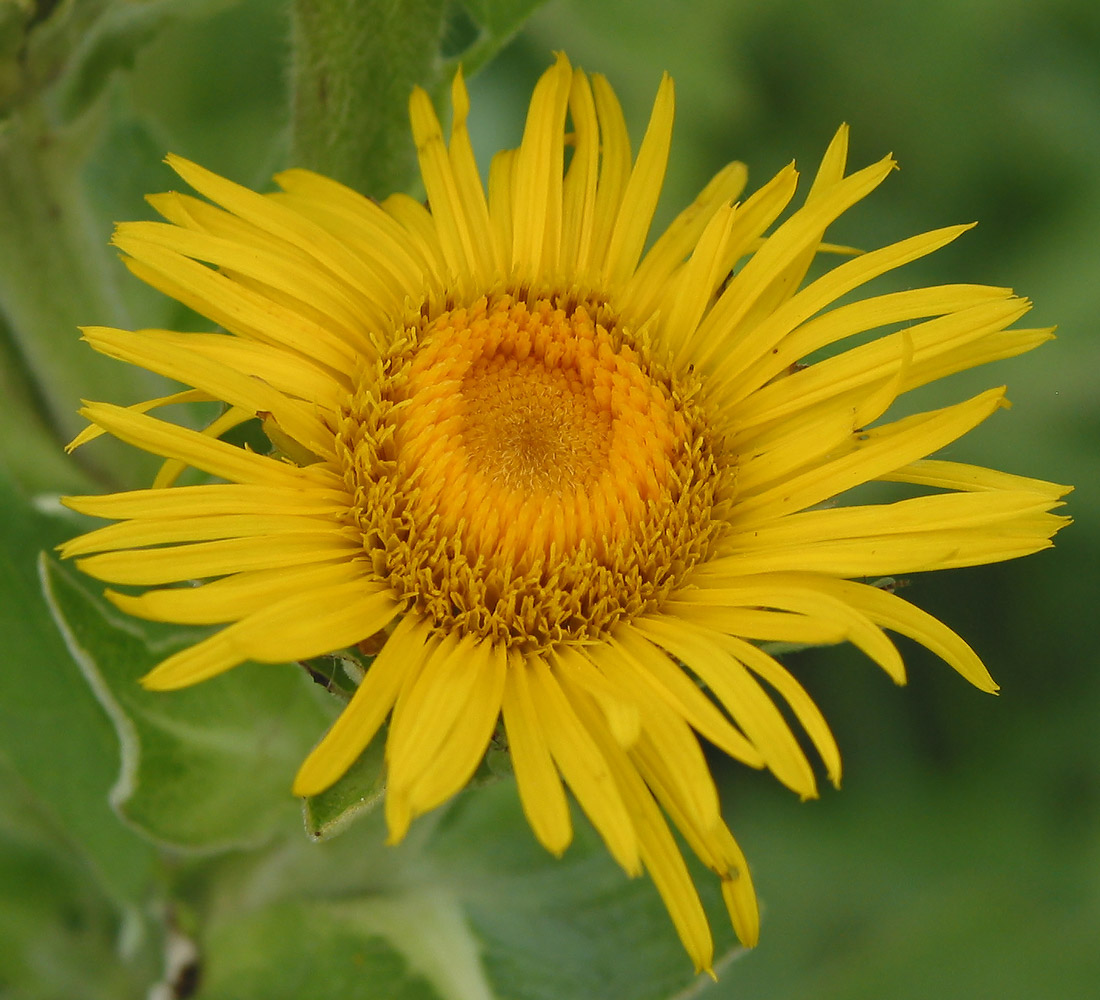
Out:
{"x": 355, "y": 62}
{"x": 55, "y": 274}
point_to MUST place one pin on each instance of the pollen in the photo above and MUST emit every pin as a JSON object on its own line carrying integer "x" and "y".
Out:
{"x": 525, "y": 471}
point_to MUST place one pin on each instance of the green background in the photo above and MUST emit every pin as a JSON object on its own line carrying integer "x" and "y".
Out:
{"x": 962, "y": 858}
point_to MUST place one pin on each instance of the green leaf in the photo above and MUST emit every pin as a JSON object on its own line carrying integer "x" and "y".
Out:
{"x": 578, "y": 927}
{"x": 60, "y": 937}
{"x": 205, "y": 768}
{"x": 299, "y": 950}
{"x": 470, "y": 903}
{"x": 31, "y": 451}
{"x": 52, "y": 731}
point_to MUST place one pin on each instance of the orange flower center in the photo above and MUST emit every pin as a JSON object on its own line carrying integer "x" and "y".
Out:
{"x": 527, "y": 472}
{"x": 530, "y": 430}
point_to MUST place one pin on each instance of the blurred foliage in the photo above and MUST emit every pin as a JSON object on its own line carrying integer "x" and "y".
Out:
{"x": 963, "y": 857}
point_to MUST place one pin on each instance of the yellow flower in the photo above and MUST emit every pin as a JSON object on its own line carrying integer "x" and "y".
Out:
{"x": 561, "y": 481}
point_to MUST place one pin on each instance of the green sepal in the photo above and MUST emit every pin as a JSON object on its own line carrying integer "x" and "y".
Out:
{"x": 358, "y": 792}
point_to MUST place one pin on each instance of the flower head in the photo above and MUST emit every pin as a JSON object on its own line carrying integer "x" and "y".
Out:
{"x": 562, "y": 481}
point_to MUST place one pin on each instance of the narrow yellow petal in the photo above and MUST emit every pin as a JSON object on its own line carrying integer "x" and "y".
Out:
{"x": 711, "y": 659}
{"x": 652, "y": 666}
{"x": 639, "y": 201}
{"x": 584, "y": 767}
{"x": 962, "y": 356}
{"x": 537, "y": 176}
{"x": 619, "y": 707}
{"x": 659, "y": 852}
{"x": 697, "y": 282}
{"x": 615, "y": 157}
{"x": 917, "y": 552}
{"x": 464, "y": 247}
{"x": 421, "y": 235}
{"x": 874, "y": 453}
{"x": 234, "y": 597}
{"x": 669, "y": 735}
{"x": 793, "y": 336}
{"x": 751, "y": 218}
{"x": 877, "y": 360}
{"x": 284, "y": 271}
{"x": 790, "y": 274}
{"x": 176, "y": 563}
{"x": 890, "y": 611}
{"x": 161, "y": 531}
{"x": 268, "y": 215}
{"x": 579, "y": 187}
{"x": 740, "y": 898}
{"x": 171, "y": 469}
{"x": 427, "y": 711}
{"x": 939, "y": 512}
{"x": 678, "y": 240}
{"x": 500, "y": 197}
{"x": 173, "y": 358}
{"x": 190, "y": 213}
{"x": 540, "y": 789}
{"x": 785, "y": 248}
{"x": 801, "y": 703}
{"x": 795, "y": 593}
{"x": 240, "y": 310}
{"x": 464, "y": 745}
{"x": 91, "y": 432}
{"x": 833, "y": 164}
{"x": 194, "y": 448}
{"x": 785, "y": 447}
{"x": 352, "y": 217}
{"x": 207, "y": 500}
{"x": 356, "y": 726}
{"x": 756, "y": 623}
{"x": 959, "y": 476}
{"x": 305, "y": 624}
{"x": 910, "y": 536}
{"x": 471, "y": 193}
{"x": 289, "y": 373}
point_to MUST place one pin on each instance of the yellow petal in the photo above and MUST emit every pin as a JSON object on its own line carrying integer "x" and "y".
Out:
{"x": 209, "y": 499}
{"x": 537, "y": 176}
{"x": 642, "y": 191}
{"x": 890, "y": 611}
{"x": 584, "y": 767}
{"x": 300, "y": 626}
{"x": 173, "y": 358}
{"x": 874, "y": 454}
{"x": 672, "y": 740}
{"x": 959, "y": 476}
{"x": 402, "y": 655}
{"x": 175, "y": 563}
{"x": 712, "y": 661}
{"x": 619, "y": 707}
{"x": 464, "y": 745}
{"x": 195, "y": 448}
{"x": 540, "y": 788}
{"x": 236, "y": 596}
{"x": 669, "y": 682}
{"x": 658, "y": 850}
